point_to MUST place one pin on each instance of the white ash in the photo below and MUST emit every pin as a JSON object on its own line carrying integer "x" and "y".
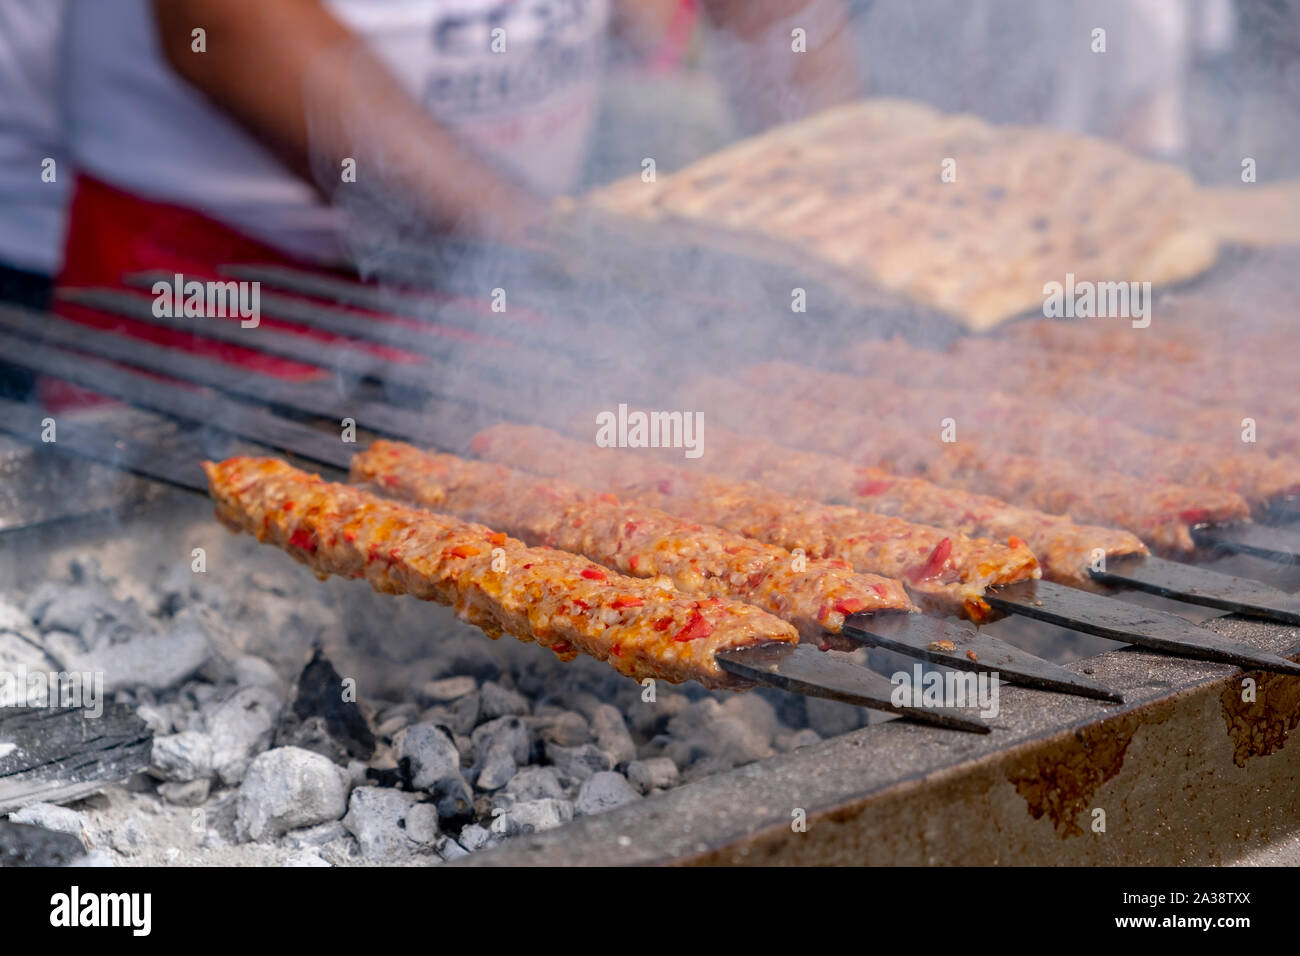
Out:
{"x": 182, "y": 757}
{"x": 476, "y": 741}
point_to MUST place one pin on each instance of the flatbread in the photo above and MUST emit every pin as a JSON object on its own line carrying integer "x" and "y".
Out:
{"x": 858, "y": 187}
{"x": 1253, "y": 215}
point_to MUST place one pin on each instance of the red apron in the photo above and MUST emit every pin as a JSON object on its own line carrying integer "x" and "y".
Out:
{"x": 112, "y": 234}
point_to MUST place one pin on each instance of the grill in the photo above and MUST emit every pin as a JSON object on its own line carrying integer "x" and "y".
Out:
{"x": 1124, "y": 729}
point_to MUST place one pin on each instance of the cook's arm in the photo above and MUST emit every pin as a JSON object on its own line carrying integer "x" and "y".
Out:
{"x": 767, "y": 80}
{"x": 306, "y": 86}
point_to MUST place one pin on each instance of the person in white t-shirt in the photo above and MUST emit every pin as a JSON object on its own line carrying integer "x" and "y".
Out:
{"x": 210, "y": 130}
{"x": 33, "y": 175}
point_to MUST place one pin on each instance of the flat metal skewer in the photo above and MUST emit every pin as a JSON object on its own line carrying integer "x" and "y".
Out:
{"x": 1261, "y": 541}
{"x": 805, "y": 670}
{"x": 962, "y": 647}
{"x": 1104, "y": 617}
{"x": 800, "y": 669}
{"x": 1203, "y": 587}
{"x": 259, "y": 424}
{"x": 1186, "y": 582}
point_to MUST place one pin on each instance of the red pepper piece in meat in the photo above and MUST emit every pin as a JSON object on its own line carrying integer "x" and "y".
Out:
{"x": 938, "y": 558}
{"x": 695, "y": 628}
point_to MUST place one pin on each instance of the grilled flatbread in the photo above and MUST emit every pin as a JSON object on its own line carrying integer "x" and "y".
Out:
{"x": 859, "y": 187}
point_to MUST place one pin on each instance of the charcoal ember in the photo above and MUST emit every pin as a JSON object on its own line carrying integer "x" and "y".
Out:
{"x": 788, "y": 707}
{"x": 533, "y": 816}
{"x": 474, "y": 837}
{"x": 500, "y": 747}
{"x": 250, "y": 671}
{"x": 422, "y": 824}
{"x": 438, "y": 715}
{"x": 182, "y": 757}
{"x": 240, "y": 727}
{"x": 654, "y": 748}
{"x": 62, "y": 647}
{"x": 192, "y": 793}
{"x": 287, "y": 788}
{"x": 177, "y": 587}
{"x": 564, "y": 727}
{"x": 310, "y": 734}
{"x": 657, "y": 773}
{"x": 88, "y": 611}
{"x": 356, "y": 771}
{"x": 429, "y": 760}
{"x": 314, "y": 837}
{"x": 285, "y": 632}
{"x": 14, "y": 618}
{"x": 385, "y": 776}
{"x": 321, "y": 694}
{"x": 395, "y": 680}
{"x": 575, "y": 698}
{"x": 387, "y": 824}
{"x": 612, "y": 735}
{"x": 755, "y": 712}
{"x": 535, "y": 783}
{"x": 161, "y": 719}
{"x": 449, "y": 849}
{"x": 23, "y": 844}
{"x": 604, "y": 791}
{"x": 496, "y": 770}
{"x": 648, "y": 719}
{"x": 59, "y": 755}
{"x": 705, "y": 767}
{"x": 129, "y": 838}
{"x": 465, "y": 745}
{"x": 466, "y": 655}
{"x": 497, "y": 701}
{"x": 705, "y": 738}
{"x": 391, "y": 718}
{"x": 21, "y": 653}
{"x": 198, "y": 695}
{"x": 51, "y": 817}
{"x": 426, "y": 754}
{"x": 341, "y": 852}
{"x": 465, "y": 714}
{"x": 146, "y": 659}
{"x": 831, "y": 718}
{"x": 578, "y": 763}
{"x": 447, "y": 690}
